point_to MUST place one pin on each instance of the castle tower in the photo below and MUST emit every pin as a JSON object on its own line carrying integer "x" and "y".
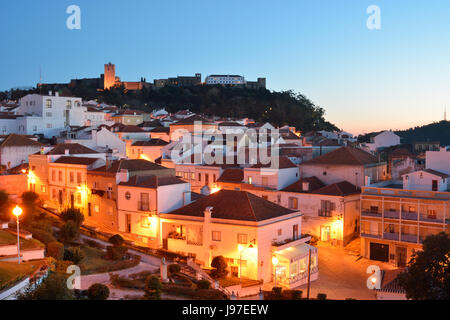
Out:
{"x": 109, "y": 76}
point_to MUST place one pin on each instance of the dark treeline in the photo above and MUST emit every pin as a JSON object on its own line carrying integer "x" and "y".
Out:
{"x": 278, "y": 108}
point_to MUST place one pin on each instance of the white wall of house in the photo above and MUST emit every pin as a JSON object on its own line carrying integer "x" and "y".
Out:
{"x": 422, "y": 180}
{"x": 271, "y": 178}
{"x": 438, "y": 160}
{"x": 13, "y": 156}
{"x": 384, "y": 139}
{"x": 8, "y": 126}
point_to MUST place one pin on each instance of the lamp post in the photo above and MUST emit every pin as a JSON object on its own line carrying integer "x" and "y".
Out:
{"x": 17, "y": 211}
{"x": 240, "y": 249}
{"x": 275, "y": 263}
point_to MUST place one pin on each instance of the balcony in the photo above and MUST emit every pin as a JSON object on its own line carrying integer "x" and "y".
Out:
{"x": 368, "y": 213}
{"x": 409, "y": 216}
{"x": 290, "y": 242}
{"x": 411, "y": 238}
{"x": 324, "y": 213}
{"x": 391, "y": 236}
{"x": 427, "y": 218}
{"x": 392, "y": 214}
{"x": 370, "y": 235}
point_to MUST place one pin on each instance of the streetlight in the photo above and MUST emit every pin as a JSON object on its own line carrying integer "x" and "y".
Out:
{"x": 17, "y": 211}
{"x": 275, "y": 263}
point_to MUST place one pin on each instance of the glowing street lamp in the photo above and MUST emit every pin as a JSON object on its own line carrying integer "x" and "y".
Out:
{"x": 17, "y": 211}
{"x": 275, "y": 263}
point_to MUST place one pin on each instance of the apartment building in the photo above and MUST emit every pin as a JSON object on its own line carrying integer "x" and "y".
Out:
{"x": 397, "y": 217}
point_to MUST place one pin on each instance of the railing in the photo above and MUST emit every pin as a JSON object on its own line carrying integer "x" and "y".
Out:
{"x": 370, "y": 235}
{"x": 369, "y": 213}
{"x": 392, "y": 214}
{"x": 194, "y": 243}
{"x": 412, "y": 238}
{"x": 409, "y": 215}
{"x": 324, "y": 213}
{"x": 405, "y": 193}
{"x": 391, "y": 236}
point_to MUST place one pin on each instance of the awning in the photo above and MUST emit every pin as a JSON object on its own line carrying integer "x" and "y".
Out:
{"x": 296, "y": 252}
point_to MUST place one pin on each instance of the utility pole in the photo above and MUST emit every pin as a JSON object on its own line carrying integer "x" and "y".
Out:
{"x": 309, "y": 274}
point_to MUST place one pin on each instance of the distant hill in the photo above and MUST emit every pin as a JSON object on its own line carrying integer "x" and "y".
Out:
{"x": 437, "y": 131}
{"x": 278, "y": 108}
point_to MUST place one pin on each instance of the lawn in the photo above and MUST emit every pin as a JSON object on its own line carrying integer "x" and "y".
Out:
{"x": 7, "y": 238}
{"x": 12, "y": 271}
{"x": 93, "y": 262}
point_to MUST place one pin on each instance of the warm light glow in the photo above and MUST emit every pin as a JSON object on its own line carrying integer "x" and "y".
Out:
{"x": 24, "y": 171}
{"x": 144, "y": 157}
{"x": 374, "y": 280}
{"x": 215, "y": 189}
{"x": 274, "y": 261}
{"x": 17, "y": 211}
{"x": 33, "y": 181}
{"x": 240, "y": 247}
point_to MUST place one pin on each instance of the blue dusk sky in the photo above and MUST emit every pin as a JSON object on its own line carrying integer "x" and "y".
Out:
{"x": 366, "y": 80}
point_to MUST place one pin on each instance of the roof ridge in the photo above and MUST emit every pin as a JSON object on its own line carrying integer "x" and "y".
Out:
{"x": 250, "y": 204}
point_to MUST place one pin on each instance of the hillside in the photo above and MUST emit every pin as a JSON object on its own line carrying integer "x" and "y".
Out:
{"x": 278, "y": 108}
{"x": 437, "y": 131}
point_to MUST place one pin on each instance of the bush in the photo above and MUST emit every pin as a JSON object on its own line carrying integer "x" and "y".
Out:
{"x": 55, "y": 250}
{"x": 73, "y": 254}
{"x": 220, "y": 268}
{"x": 118, "y": 265}
{"x": 61, "y": 266}
{"x": 69, "y": 231}
{"x": 321, "y": 296}
{"x": 116, "y": 253}
{"x": 116, "y": 240}
{"x": 54, "y": 287}
{"x": 174, "y": 268}
{"x": 74, "y": 215}
{"x": 276, "y": 293}
{"x": 42, "y": 235}
{"x": 98, "y": 291}
{"x": 203, "y": 284}
{"x": 122, "y": 282}
{"x": 152, "y": 288}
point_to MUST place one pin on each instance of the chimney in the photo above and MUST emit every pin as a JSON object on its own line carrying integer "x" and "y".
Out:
{"x": 305, "y": 186}
{"x": 56, "y": 94}
{"x": 50, "y": 93}
{"x": 122, "y": 176}
{"x": 66, "y": 152}
{"x": 208, "y": 213}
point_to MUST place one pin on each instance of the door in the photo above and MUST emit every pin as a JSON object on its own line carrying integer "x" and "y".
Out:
{"x": 206, "y": 179}
{"x": 401, "y": 256}
{"x": 434, "y": 186}
{"x": 144, "y": 205}
{"x": 72, "y": 200}
{"x": 295, "y": 231}
{"x": 325, "y": 233}
{"x": 60, "y": 197}
{"x": 128, "y": 223}
{"x": 89, "y": 210}
{"x": 379, "y": 252}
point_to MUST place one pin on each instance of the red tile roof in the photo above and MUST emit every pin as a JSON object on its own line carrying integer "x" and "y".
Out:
{"x": 344, "y": 156}
{"x": 17, "y": 140}
{"x": 74, "y": 148}
{"x": 232, "y": 175}
{"x": 390, "y": 283}
{"x": 234, "y": 205}
{"x": 151, "y": 181}
{"x": 76, "y": 160}
{"x": 314, "y": 184}
{"x": 343, "y": 188}
{"x": 437, "y": 173}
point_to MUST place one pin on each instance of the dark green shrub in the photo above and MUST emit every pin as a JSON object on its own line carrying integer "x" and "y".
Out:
{"x": 276, "y": 293}
{"x": 116, "y": 240}
{"x": 69, "y": 231}
{"x": 115, "y": 253}
{"x": 220, "y": 267}
{"x": 203, "y": 284}
{"x": 174, "y": 268}
{"x": 321, "y": 296}
{"x": 98, "y": 291}
{"x": 73, "y": 254}
{"x": 73, "y": 214}
{"x": 152, "y": 288}
{"x": 55, "y": 250}
{"x": 42, "y": 235}
{"x": 54, "y": 287}
{"x": 93, "y": 244}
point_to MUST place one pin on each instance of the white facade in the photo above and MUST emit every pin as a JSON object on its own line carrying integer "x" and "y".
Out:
{"x": 271, "y": 178}
{"x": 438, "y": 160}
{"x": 224, "y": 79}
{"x": 384, "y": 139}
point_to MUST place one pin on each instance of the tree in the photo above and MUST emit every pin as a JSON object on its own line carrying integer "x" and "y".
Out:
{"x": 427, "y": 275}
{"x": 203, "y": 284}
{"x": 174, "y": 268}
{"x": 73, "y": 214}
{"x": 73, "y": 254}
{"x": 152, "y": 288}
{"x": 220, "y": 267}
{"x": 69, "y": 231}
{"x": 54, "y": 287}
{"x": 98, "y": 291}
{"x": 116, "y": 240}
{"x": 55, "y": 250}
{"x": 29, "y": 202}
{"x": 4, "y": 201}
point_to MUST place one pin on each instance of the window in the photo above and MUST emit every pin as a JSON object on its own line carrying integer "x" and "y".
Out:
{"x": 109, "y": 191}
{"x": 145, "y": 223}
{"x": 48, "y": 114}
{"x": 68, "y": 104}
{"x": 79, "y": 198}
{"x": 242, "y": 238}
{"x": 250, "y": 180}
{"x": 49, "y": 126}
{"x": 200, "y": 177}
{"x": 127, "y": 195}
{"x": 72, "y": 178}
{"x": 60, "y": 176}
{"x": 373, "y": 209}
{"x": 280, "y": 232}
{"x": 48, "y": 103}
{"x": 193, "y": 176}
{"x": 53, "y": 175}
{"x": 326, "y": 207}
{"x": 265, "y": 181}
{"x": 34, "y": 128}
{"x": 216, "y": 236}
{"x": 43, "y": 189}
{"x": 431, "y": 214}
{"x": 78, "y": 177}
{"x": 293, "y": 203}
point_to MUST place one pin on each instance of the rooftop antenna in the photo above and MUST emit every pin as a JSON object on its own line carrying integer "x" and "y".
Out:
{"x": 445, "y": 113}
{"x": 40, "y": 79}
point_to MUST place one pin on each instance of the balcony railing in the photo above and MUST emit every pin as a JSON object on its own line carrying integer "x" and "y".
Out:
{"x": 391, "y": 214}
{"x": 324, "y": 213}
{"x": 390, "y": 236}
{"x": 409, "y": 215}
{"x": 194, "y": 243}
{"x": 369, "y": 213}
{"x": 370, "y": 235}
{"x": 405, "y": 193}
{"x": 412, "y": 238}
